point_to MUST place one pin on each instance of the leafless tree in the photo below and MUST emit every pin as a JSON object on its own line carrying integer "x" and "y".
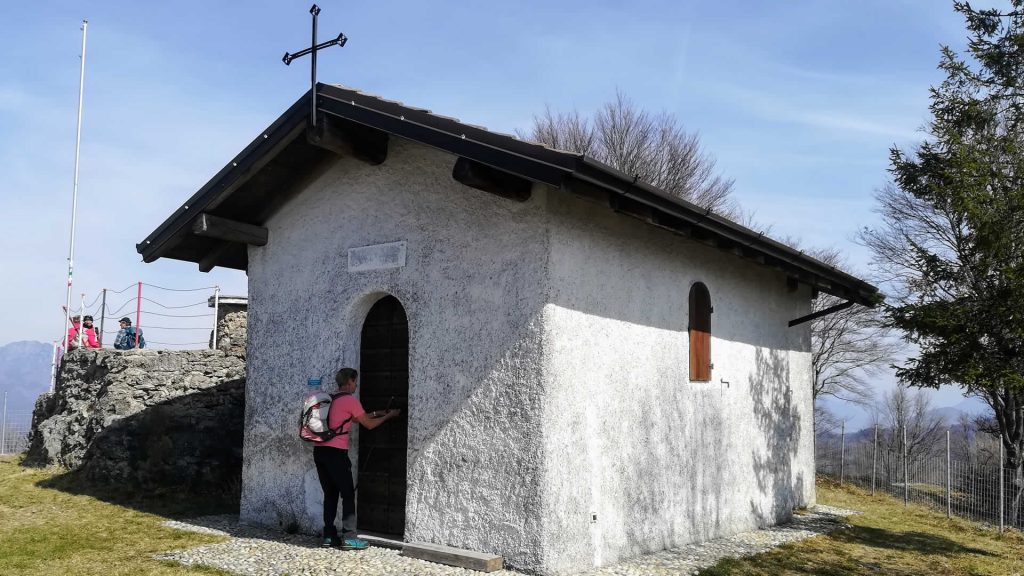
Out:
{"x": 825, "y": 421}
{"x": 975, "y": 441}
{"x": 848, "y": 347}
{"x": 911, "y": 409}
{"x": 912, "y": 225}
{"x": 653, "y": 147}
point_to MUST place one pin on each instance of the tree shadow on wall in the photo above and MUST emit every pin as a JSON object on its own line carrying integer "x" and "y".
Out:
{"x": 779, "y": 420}
{"x": 695, "y": 498}
{"x": 180, "y": 458}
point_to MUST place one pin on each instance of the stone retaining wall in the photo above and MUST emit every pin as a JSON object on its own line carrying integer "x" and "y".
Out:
{"x": 146, "y": 418}
{"x": 231, "y": 332}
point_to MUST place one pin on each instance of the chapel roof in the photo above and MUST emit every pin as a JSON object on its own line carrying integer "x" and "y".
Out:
{"x": 250, "y": 188}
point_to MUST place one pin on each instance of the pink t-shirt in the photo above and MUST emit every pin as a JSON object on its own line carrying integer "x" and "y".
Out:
{"x": 342, "y": 408}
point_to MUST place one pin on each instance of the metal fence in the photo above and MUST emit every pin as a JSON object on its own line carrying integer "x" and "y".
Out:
{"x": 14, "y": 429}
{"x": 979, "y": 492}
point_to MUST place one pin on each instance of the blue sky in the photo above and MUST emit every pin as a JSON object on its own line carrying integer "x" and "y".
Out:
{"x": 799, "y": 101}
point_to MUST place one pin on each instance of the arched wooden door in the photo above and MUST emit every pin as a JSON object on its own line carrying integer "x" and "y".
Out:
{"x": 384, "y": 383}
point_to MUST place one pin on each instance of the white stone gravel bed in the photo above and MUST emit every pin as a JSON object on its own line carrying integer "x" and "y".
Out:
{"x": 254, "y": 551}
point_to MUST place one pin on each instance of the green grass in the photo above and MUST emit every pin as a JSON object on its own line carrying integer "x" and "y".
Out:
{"x": 54, "y": 523}
{"x": 888, "y": 539}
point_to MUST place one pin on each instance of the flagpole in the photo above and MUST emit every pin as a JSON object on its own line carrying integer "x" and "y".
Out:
{"x": 74, "y": 194}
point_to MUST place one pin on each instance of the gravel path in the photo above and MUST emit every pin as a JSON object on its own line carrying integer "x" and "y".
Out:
{"x": 254, "y": 551}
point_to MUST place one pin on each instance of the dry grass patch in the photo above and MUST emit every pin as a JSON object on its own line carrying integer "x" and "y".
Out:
{"x": 46, "y": 530}
{"x": 888, "y": 539}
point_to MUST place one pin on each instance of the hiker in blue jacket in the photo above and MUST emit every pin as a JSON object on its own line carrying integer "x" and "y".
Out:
{"x": 125, "y": 339}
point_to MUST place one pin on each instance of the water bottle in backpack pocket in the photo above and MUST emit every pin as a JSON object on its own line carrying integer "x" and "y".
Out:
{"x": 313, "y": 424}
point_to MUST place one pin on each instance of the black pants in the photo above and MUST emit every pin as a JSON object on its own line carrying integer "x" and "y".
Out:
{"x": 335, "y": 472}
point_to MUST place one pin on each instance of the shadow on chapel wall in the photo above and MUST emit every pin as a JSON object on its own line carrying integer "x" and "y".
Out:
{"x": 778, "y": 419}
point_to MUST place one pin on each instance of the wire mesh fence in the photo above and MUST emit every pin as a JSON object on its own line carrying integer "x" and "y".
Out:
{"x": 14, "y": 430}
{"x": 982, "y": 492}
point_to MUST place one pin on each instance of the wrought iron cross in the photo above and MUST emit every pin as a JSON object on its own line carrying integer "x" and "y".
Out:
{"x": 312, "y": 50}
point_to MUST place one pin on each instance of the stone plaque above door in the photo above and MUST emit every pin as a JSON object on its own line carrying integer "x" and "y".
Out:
{"x": 376, "y": 257}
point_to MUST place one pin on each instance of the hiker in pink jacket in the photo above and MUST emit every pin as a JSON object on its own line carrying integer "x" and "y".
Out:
{"x": 89, "y": 339}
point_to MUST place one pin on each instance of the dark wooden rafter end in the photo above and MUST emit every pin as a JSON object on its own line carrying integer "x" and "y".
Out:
{"x": 629, "y": 207}
{"x": 488, "y": 179}
{"x": 671, "y": 223}
{"x": 216, "y": 256}
{"x": 349, "y": 139}
{"x": 585, "y": 190}
{"x": 212, "y": 226}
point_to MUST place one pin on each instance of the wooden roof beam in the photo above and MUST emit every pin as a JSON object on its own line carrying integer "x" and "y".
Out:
{"x": 497, "y": 182}
{"x": 349, "y": 139}
{"x": 215, "y": 256}
{"x": 212, "y": 226}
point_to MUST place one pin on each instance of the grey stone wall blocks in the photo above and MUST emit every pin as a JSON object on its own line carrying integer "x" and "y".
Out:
{"x": 146, "y": 418}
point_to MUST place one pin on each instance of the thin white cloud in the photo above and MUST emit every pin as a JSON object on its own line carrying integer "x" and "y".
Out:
{"x": 12, "y": 98}
{"x": 832, "y": 120}
{"x": 777, "y": 107}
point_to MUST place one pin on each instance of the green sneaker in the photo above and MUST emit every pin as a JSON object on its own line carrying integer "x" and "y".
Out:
{"x": 354, "y": 544}
{"x": 331, "y": 542}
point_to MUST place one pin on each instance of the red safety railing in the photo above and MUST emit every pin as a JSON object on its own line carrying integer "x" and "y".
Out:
{"x": 171, "y": 314}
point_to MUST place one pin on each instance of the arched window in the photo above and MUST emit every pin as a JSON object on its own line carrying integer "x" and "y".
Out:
{"x": 700, "y": 333}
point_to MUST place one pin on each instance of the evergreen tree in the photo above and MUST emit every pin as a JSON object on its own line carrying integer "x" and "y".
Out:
{"x": 951, "y": 242}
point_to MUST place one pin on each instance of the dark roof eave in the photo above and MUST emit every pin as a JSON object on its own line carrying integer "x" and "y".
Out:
{"x": 286, "y": 128}
{"x": 499, "y": 151}
{"x": 600, "y": 174}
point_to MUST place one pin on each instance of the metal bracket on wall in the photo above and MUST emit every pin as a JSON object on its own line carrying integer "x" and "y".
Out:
{"x": 820, "y": 313}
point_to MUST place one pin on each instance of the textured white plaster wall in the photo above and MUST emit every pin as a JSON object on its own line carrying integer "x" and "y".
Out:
{"x": 661, "y": 460}
{"x": 474, "y": 287}
{"x": 547, "y": 368}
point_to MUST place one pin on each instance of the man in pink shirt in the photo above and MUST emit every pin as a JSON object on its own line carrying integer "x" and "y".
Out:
{"x": 333, "y": 465}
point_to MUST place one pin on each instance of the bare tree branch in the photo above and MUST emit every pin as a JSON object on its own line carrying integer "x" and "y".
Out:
{"x": 925, "y": 431}
{"x": 653, "y": 147}
{"x": 848, "y": 347}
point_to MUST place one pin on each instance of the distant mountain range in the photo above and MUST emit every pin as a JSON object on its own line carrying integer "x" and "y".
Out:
{"x": 24, "y": 374}
{"x": 969, "y": 407}
{"x": 948, "y": 403}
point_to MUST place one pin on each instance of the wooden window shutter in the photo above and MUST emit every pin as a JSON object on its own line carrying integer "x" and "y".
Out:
{"x": 700, "y": 333}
